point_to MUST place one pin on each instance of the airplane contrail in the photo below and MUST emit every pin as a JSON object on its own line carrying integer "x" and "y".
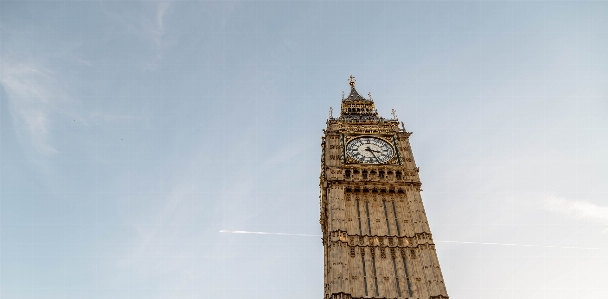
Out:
{"x": 459, "y": 242}
{"x": 266, "y": 233}
{"x": 522, "y": 245}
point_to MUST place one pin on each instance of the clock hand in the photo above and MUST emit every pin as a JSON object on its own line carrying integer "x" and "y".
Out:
{"x": 372, "y": 151}
{"x": 369, "y": 149}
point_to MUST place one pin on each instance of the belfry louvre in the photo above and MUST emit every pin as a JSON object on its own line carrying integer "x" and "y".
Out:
{"x": 376, "y": 237}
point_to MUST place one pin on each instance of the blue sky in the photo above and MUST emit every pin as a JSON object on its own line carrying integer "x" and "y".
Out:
{"x": 133, "y": 132}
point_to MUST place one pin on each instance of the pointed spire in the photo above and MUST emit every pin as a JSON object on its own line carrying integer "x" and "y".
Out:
{"x": 357, "y": 108}
{"x": 354, "y": 95}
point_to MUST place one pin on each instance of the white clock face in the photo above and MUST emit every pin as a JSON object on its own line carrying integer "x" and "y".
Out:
{"x": 370, "y": 150}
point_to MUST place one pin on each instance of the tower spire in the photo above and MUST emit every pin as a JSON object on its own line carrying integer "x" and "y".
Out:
{"x": 356, "y": 107}
{"x": 354, "y": 95}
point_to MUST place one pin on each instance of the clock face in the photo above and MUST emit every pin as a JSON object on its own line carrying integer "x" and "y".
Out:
{"x": 370, "y": 150}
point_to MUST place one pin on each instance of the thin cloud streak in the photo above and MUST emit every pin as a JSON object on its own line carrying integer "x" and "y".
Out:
{"x": 31, "y": 92}
{"x": 577, "y": 209}
{"x": 155, "y": 30}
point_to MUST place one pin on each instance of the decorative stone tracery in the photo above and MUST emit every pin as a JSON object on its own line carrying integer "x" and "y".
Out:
{"x": 376, "y": 236}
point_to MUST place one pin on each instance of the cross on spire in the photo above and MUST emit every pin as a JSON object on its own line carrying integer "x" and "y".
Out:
{"x": 352, "y": 81}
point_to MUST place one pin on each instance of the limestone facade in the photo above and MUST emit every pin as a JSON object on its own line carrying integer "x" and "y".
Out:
{"x": 376, "y": 237}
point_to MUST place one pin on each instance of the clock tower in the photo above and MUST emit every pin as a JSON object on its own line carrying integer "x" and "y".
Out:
{"x": 376, "y": 237}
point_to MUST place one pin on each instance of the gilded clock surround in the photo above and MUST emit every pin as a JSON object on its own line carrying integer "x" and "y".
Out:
{"x": 386, "y": 138}
{"x": 376, "y": 237}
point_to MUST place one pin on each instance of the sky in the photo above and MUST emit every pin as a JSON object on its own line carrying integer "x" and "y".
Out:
{"x": 137, "y": 136}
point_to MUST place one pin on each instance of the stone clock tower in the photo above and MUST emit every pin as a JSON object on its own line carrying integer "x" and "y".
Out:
{"x": 377, "y": 241}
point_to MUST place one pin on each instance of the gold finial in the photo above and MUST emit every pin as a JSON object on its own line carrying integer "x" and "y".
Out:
{"x": 370, "y": 95}
{"x": 352, "y": 81}
{"x": 402, "y": 126}
{"x": 331, "y": 110}
{"x": 343, "y": 94}
{"x": 394, "y": 113}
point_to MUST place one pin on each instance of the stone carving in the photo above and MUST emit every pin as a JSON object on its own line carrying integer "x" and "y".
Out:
{"x": 374, "y": 207}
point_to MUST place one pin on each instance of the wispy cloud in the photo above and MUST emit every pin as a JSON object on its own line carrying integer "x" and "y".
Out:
{"x": 577, "y": 209}
{"x": 155, "y": 30}
{"x": 160, "y": 15}
{"x": 32, "y": 95}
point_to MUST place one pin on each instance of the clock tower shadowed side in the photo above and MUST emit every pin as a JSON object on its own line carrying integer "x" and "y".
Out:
{"x": 376, "y": 237}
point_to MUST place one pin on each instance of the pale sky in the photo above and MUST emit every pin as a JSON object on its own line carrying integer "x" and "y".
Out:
{"x": 132, "y": 133}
